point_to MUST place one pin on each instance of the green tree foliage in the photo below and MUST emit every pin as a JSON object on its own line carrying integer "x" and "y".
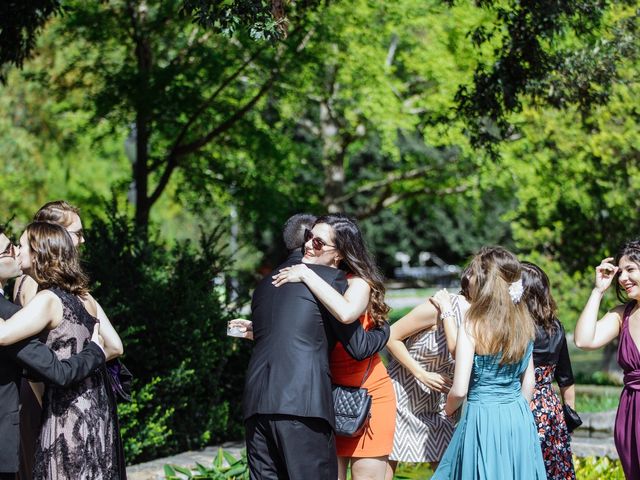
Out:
{"x": 556, "y": 53}
{"x": 20, "y": 23}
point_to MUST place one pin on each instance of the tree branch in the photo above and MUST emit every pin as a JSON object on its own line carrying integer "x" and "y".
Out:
{"x": 182, "y": 150}
{"x": 185, "y": 149}
{"x": 179, "y": 150}
{"x": 387, "y": 200}
{"x": 207, "y": 103}
{"x": 388, "y": 180}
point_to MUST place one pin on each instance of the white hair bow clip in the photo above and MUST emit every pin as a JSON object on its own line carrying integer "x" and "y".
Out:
{"x": 516, "y": 290}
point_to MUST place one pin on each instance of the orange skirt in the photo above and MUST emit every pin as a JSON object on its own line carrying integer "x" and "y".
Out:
{"x": 377, "y": 439}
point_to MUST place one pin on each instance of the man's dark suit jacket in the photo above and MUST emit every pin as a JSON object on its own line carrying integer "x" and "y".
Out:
{"x": 288, "y": 372}
{"x": 39, "y": 359}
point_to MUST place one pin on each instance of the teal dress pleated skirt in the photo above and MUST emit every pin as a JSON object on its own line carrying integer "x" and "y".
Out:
{"x": 496, "y": 437}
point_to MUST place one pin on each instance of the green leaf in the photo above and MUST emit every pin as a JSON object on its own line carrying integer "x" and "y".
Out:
{"x": 229, "y": 458}
{"x": 184, "y": 471}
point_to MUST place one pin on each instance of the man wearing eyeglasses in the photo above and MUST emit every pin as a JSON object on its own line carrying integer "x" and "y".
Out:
{"x": 287, "y": 403}
{"x": 39, "y": 360}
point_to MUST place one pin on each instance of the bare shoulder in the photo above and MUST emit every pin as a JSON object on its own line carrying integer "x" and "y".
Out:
{"x": 46, "y": 296}
{"x": 48, "y": 301}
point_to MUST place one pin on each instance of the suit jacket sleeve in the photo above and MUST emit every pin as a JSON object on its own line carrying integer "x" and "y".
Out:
{"x": 358, "y": 342}
{"x": 43, "y": 362}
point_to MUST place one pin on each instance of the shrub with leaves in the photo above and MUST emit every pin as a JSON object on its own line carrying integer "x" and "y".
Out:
{"x": 225, "y": 467}
{"x": 172, "y": 319}
{"x": 598, "y": 468}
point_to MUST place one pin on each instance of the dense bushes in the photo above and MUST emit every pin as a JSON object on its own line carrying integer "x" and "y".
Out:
{"x": 172, "y": 318}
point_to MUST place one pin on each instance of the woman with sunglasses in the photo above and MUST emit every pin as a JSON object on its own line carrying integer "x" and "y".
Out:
{"x": 336, "y": 241}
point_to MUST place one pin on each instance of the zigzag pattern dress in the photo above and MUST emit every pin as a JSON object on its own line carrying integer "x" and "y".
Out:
{"x": 423, "y": 431}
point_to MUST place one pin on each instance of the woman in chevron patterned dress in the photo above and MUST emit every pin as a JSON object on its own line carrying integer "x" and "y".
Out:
{"x": 421, "y": 372}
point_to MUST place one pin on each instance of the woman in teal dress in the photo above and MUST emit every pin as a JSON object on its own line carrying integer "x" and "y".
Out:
{"x": 496, "y": 437}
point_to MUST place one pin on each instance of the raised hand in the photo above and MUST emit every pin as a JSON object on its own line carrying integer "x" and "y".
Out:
{"x": 292, "y": 274}
{"x": 442, "y": 300}
{"x": 605, "y": 272}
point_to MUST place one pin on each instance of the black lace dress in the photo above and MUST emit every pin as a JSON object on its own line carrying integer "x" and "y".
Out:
{"x": 79, "y": 437}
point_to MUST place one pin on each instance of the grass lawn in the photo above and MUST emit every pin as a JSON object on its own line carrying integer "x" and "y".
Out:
{"x": 398, "y": 313}
{"x": 597, "y": 399}
{"x": 413, "y": 470}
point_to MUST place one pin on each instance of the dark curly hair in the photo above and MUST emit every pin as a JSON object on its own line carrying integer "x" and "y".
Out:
{"x": 54, "y": 259}
{"x": 357, "y": 260}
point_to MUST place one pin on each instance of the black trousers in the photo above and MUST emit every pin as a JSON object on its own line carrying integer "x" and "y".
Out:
{"x": 7, "y": 476}
{"x": 287, "y": 447}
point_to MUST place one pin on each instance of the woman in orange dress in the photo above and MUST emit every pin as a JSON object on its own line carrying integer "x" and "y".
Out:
{"x": 336, "y": 241}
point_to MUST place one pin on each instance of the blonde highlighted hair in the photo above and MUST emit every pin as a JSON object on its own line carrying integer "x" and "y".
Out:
{"x": 497, "y": 323}
{"x": 59, "y": 212}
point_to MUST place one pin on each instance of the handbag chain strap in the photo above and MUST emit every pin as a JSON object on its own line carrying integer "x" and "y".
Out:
{"x": 366, "y": 372}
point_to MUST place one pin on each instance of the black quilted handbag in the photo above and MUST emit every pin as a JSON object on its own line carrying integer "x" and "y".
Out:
{"x": 352, "y": 406}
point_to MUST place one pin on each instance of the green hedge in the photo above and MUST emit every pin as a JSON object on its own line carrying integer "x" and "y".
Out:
{"x": 171, "y": 313}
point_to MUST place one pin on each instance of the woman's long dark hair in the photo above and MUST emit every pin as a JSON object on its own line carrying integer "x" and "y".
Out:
{"x": 54, "y": 259}
{"x": 357, "y": 260}
{"x": 631, "y": 250}
{"x": 538, "y": 298}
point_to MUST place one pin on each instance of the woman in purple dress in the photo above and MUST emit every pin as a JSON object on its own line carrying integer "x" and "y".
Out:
{"x": 622, "y": 321}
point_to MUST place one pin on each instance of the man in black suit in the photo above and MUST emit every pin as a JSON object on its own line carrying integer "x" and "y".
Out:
{"x": 287, "y": 404}
{"x": 38, "y": 359}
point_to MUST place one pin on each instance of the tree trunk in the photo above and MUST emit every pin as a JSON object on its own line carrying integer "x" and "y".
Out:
{"x": 141, "y": 174}
{"x": 332, "y": 159}
{"x": 143, "y": 120}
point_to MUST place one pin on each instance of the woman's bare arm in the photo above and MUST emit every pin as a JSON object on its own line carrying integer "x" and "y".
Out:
{"x": 592, "y": 333}
{"x": 422, "y": 317}
{"x": 113, "y": 347}
{"x": 43, "y": 312}
{"x": 465, "y": 349}
{"x": 345, "y": 308}
{"x": 528, "y": 381}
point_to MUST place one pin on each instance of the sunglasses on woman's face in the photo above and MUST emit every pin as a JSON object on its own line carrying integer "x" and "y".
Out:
{"x": 316, "y": 242}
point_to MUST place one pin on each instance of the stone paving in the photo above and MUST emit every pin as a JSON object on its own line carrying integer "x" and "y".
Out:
{"x": 593, "y": 438}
